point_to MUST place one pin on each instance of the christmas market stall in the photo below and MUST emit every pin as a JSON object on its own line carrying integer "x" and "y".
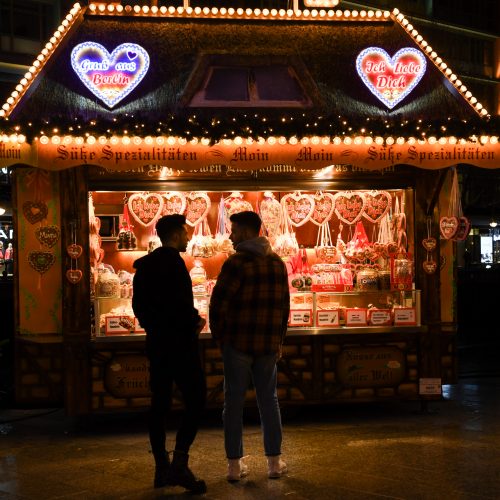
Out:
{"x": 343, "y": 129}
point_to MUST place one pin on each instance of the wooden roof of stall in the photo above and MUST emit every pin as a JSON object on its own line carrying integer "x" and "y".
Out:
{"x": 322, "y": 44}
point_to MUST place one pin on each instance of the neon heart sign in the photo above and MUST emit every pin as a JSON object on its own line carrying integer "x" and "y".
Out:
{"x": 110, "y": 77}
{"x": 391, "y": 79}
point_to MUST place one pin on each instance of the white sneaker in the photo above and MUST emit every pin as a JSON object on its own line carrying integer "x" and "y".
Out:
{"x": 276, "y": 467}
{"x": 236, "y": 469}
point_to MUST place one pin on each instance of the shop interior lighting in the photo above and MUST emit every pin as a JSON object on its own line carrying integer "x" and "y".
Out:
{"x": 493, "y": 223}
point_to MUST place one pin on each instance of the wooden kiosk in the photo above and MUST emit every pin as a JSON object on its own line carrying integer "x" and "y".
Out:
{"x": 347, "y": 123}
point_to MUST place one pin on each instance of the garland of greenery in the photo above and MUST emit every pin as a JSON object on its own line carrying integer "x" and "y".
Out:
{"x": 255, "y": 124}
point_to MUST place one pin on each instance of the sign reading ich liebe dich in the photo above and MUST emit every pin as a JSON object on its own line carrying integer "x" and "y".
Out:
{"x": 110, "y": 76}
{"x": 391, "y": 79}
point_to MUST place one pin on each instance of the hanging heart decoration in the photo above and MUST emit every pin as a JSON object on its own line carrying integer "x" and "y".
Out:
{"x": 429, "y": 266}
{"x": 323, "y": 208}
{"x": 448, "y": 226}
{"x": 35, "y": 211}
{"x": 74, "y": 251}
{"x": 349, "y": 206}
{"x": 298, "y": 207}
{"x": 41, "y": 261}
{"x": 110, "y": 77}
{"x": 234, "y": 205}
{"x": 145, "y": 208}
{"x": 271, "y": 214}
{"x": 391, "y": 79}
{"x": 74, "y": 275}
{"x": 173, "y": 203}
{"x": 377, "y": 205}
{"x": 197, "y": 207}
{"x": 463, "y": 229}
{"x": 48, "y": 235}
{"x": 429, "y": 244}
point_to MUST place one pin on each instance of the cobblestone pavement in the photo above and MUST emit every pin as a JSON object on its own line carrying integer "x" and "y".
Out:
{"x": 365, "y": 451}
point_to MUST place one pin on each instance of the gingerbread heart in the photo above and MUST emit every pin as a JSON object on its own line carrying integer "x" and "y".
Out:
{"x": 110, "y": 77}
{"x": 463, "y": 229}
{"x": 349, "y": 206}
{"x": 35, "y": 211}
{"x": 429, "y": 244}
{"x": 391, "y": 79}
{"x": 74, "y": 275}
{"x": 323, "y": 208}
{"x": 429, "y": 266}
{"x": 48, "y": 235}
{"x": 173, "y": 203}
{"x": 41, "y": 261}
{"x": 298, "y": 208}
{"x": 145, "y": 208}
{"x": 448, "y": 226}
{"x": 74, "y": 250}
{"x": 377, "y": 205}
{"x": 197, "y": 207}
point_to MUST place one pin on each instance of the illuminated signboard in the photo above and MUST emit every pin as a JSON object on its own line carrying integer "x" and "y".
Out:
{"x": 110, "y": 77}
{"x": 391, "y": 79}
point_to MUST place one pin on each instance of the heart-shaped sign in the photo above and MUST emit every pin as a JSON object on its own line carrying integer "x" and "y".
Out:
{"x": 173, "y": 203}
{"x": 298, "y": 208}
{"x": 377, "y": 205}
{"x": 463, "y": 229}
{"x": 323, "y": 208}
{"x": 349, "y": 206}
{"x": 74, "y": 275}
{"x": 448, "y": 226}
{"x": 429, "y": 244}
{"x": 145, "y": 208}
{"x": 110, "y": 77}
{"x": 197, "y": 207}
{"x": 429, "y": 266}
{"x": 74, "y": 250}
{"x": 48, "y": 235}
{"x": 41, "y": 261}
{"x": 271, "y": 214}
{"x": 391, "y": 79}
{"x": 35, "y": 211}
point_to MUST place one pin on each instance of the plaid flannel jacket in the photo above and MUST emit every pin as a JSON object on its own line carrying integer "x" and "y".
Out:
{"x": 250, "y": 303}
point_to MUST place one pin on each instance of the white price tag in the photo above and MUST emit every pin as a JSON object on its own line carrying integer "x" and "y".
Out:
{"x": 405, "y": 316}
{"x": 300, "y": 317}
{"x": 329, "y": 317}
{"x": 355, "y": 317}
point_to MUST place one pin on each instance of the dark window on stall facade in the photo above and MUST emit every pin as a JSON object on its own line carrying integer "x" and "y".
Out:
{"x": 28, "y": 20}
{"x": 222, "y": 83}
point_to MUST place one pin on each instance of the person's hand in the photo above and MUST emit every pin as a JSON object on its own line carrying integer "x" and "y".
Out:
{"x": 201, "y": 324}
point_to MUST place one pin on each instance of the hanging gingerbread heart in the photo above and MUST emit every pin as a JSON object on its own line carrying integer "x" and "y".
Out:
{"x": 74, "y": 275}
{"x": 48, "y": 235}
{"x": 448, "y": 226}
{"x": 377, "y": 205}
{"x": 197, "y": 207}
{"x": 429, "y": 244}
{"x": 173, "y": 203}
{"x": 145, "y": 208}
{"x": 235, "y": 204}
{"x": 271, "y": 214}
{"x": 298, "y": 208}
{"x": 463, "y": 229}
{"x": 323, "y": 208}
{"x": 41, "y": 261}
{"x": 74, "y": 251}
{"x": 429, "y": 266}
{"x": 349, "y": 206}
{"x": 35, "y": 211}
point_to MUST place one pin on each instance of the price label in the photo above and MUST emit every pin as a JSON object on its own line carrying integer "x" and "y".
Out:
{"x": 328, "y": 318}
{"x": 380, "y": 317}
{"x": 355, "y": 317}
{"x": 405, "y": 316}
{"x": 300, "y": 317}
{"x": 119, "y": 325}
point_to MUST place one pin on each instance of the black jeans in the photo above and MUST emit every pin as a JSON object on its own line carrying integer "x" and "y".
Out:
{"x": 182, "y": 367}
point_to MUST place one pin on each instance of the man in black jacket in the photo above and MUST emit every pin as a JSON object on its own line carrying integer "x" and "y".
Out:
{"x": 163, "y": 304}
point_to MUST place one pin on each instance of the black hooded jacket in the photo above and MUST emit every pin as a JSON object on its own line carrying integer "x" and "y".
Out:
{"x": 163, "y": 300}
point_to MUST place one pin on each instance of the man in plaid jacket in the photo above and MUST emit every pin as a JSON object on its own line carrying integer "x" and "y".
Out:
{"x": 248, "y": 315}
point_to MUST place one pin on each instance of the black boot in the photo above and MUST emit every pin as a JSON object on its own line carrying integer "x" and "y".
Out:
{"x": 161, "y": 470}
{"x": 179, "y": 474}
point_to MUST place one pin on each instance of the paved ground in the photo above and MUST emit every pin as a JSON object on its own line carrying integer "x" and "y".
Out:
{"x": 370, "y": 451}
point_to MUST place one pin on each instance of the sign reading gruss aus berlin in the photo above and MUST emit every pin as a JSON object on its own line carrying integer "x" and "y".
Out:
{"x": 110, "y": 76}
{"x": 254, "y": 156}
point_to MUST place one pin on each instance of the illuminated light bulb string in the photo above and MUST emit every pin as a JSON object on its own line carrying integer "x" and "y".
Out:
{"x": 256, "y": 125}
